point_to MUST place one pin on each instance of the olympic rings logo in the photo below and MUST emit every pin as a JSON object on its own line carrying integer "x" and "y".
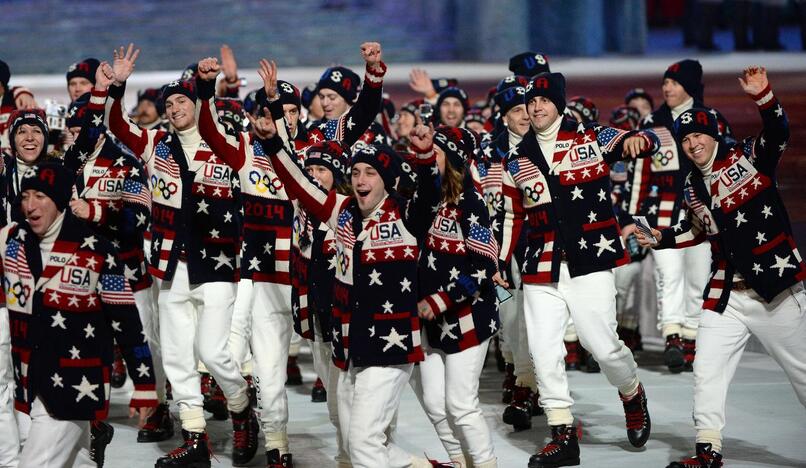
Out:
{"x": 533, "y": 193}
{"x": 165, "y": 189}
{"x": 16, "y": 293}
{"x": 264, "y": 183}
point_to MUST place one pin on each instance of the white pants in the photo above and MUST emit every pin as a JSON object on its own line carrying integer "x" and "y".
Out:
{"x": 368, "y": 401}
{"x": 146, "y": 301}
{"x": 271, "y": 334}
{"x": 627, "y": 278}
{"x": 781, "y": 328}
{"x": 9, "y": 434}
{"x": 242, "y": 324}
{"x": 294, "y": 343}
{"x": 508, "y": 313}
{"x": 327, "y": 371}
{"x": 680, "y": 277}
{"x": 524, "y": 367}
{"x": 591, "y": 301}
{"x": 194, "y": 323}
{"x": 450, "y": 385}
{"x": 432, "y": 400}
{"x": 53, "y": 443}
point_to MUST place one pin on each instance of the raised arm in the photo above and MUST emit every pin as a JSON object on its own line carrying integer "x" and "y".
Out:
{"x": 137, "y": 139}
{"x": 618, "y": 145}
{"x": 358, "y": 119}
{"x": 92, "y": 126}
{"x": 231, "y": 149}
{"x": 769, "y": 145}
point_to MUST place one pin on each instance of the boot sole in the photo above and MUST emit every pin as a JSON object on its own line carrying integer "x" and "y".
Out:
{"x": 571, "y": 462}
{"x": 199, "y": 464}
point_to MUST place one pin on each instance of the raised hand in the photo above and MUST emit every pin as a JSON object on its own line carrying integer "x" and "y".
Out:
{"x": 104, "y": 76}
{"x": 123, "y": 65}
{"x": 754, "y": 80}
{"x": 228, "y": 64}
{"x": 422, "y": 137}
{"x": 209, "y": 68}
{"x": 420, "y": 82}
{"x": 263, "y": 126}
{"x": 25, "y": 101}
{"x": 268, "y": 72}
{"x": 371, "y": 53}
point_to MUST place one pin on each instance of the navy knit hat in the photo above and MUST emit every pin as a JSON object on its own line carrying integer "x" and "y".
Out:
{"x": 31, "y": 117}
{"x": 688, "y": 73}
{"x": 510, "y": 93}
{"x": 638, "y": 93}
{"x": 457, "y": 93}
{"x": 342, "y": 80}
{"x": 529, "y": 64}
{"x": 5, "y": 74}
{"x": 474, "y": 114}
{"x": 83, "y": 69}
{"x": 307, "y": 95}
{"x": 696, "y": 120}
{"x": 625, "y": 118}
{"x": 585, "y": 108}
{"x": 450, "y": 141}
{"x": 441, "y": 84}
{"x": 190, "y": 72}
{"x": 289, "y": 94}
{"x": 77, "y": 111}
{"x": 550, "y": 86}
{"x": 52, "y": 179}
{"x": 383, "y": 159}
{"x": 186, "y": 88}
{"x": 330, "y": 154}
{"x": 230, "y": 112}
{"x": 152, "y": 95}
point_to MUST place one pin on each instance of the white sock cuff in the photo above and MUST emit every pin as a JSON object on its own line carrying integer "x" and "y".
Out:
{"x": 671, "y": 329}
{"x": 193, "y": 419}
{"x": 277, "y": 440}
{"x": 710, "y": 436}
{"x": 559, "y": 416}
{"x": 688, "y": 333}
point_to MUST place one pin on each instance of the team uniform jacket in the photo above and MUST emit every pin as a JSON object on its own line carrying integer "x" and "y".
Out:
{"x": 7, "y": 106}
{"x": 744, "y": 217}
{"x": 63, "y": 317}
{"x": 457, "y": 263}
{"x": 267, "y": 211}
{"x": 656, "y": 183}
{"x": 194, "y": 210}
{"x": 115, "y": 186}
{"x": 570, "y": 213}
{"x": 375, "y": 320}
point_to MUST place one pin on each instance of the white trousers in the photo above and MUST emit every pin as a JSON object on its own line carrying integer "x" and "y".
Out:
{"x": 721, "y": 339}
{"x": 53, "y": 443}
{"x": 368, "y": 401}
{"x": 194, "y": 323}
{"x": 327, "y": 371}
{"x": 146, "y": 301}
{"x": 680, "y": 277}
{"x": 450, "y": 385}
{"x": 432, "y": 399}
{"x": 591, "y": 301}
{"x": 508, "y": 313}
{"x": 627, "y": 279}
{"x": 241, "y": 326}
{"x": 270, "y": 337}
{"x": 9, "y": 434}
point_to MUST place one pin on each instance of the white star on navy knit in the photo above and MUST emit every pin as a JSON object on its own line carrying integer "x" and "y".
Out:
{"x": 143, "y": 370}
{"x": 757, "y": 268}
{"x": 576, "y": 194}
{"x": 432, "y": 261}
{"x": 761, "y": 238}
{"x": 454, "y": 274}
{"x": 116, "y": 326}
{"x": 58, "y": 321}
{"x": 604, "y": 244}
{"x": 394, "y": 339}
{"x": 446, "y": 329}
{"x": 740, "y": 218}
{"x": 89, "y": 242}
{"x": 375, "y": 278}
{"x": 591, "y": 217}
{"x": 602, "y": 195}
{"x": 653, "y": 209}
{"x": 85, "y": 389}
{"x": 387, "y": 307}
{"x": 202, "y": 207}
{"x": 254, "y": 264}
{"x": 782, "y": 263}
{"x": 134, "y": 172}
{"x": 493, "y": 326}
{"x": 222, "y": 259}
{"x": 97, "y": 120}
{"x": 583, "y": 244}
{"x": 480, "y": 275}
{"x": 473, "y": 218}
{"x": 331, "y": 263}
{"x": 350, "y": 123}
{"x": 203, "y": 253}
{"x": 227, "y": 217}
{"x": 141, "y": 219}
{"x": 766, "y": 211}
{"x": 405, "y": 285}
{"x": 779, "y": 111}
{"x": 89, "y": 331}
{"x": 679, "y": 226}
{"x": 57, "y": 380}
{"x": 372, "y": 331}
{"x": 75, "y": 353}
{"x": 782, "y": 147}
{"x": 214, "y": 233}
{"x": 72, "y": 301}
{"x": 267, "y": 248}
{"x": 129, "y": 273}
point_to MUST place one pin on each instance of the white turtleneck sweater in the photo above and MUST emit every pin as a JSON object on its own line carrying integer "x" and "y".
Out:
{"x": 547, "y": 139}
{"x": 22, "y": 168}
{"x": 686, "y": 105}
{"x": 514, "y": 139}
{"x": 190, "y": 139}
{"x": 47, "y": 241}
